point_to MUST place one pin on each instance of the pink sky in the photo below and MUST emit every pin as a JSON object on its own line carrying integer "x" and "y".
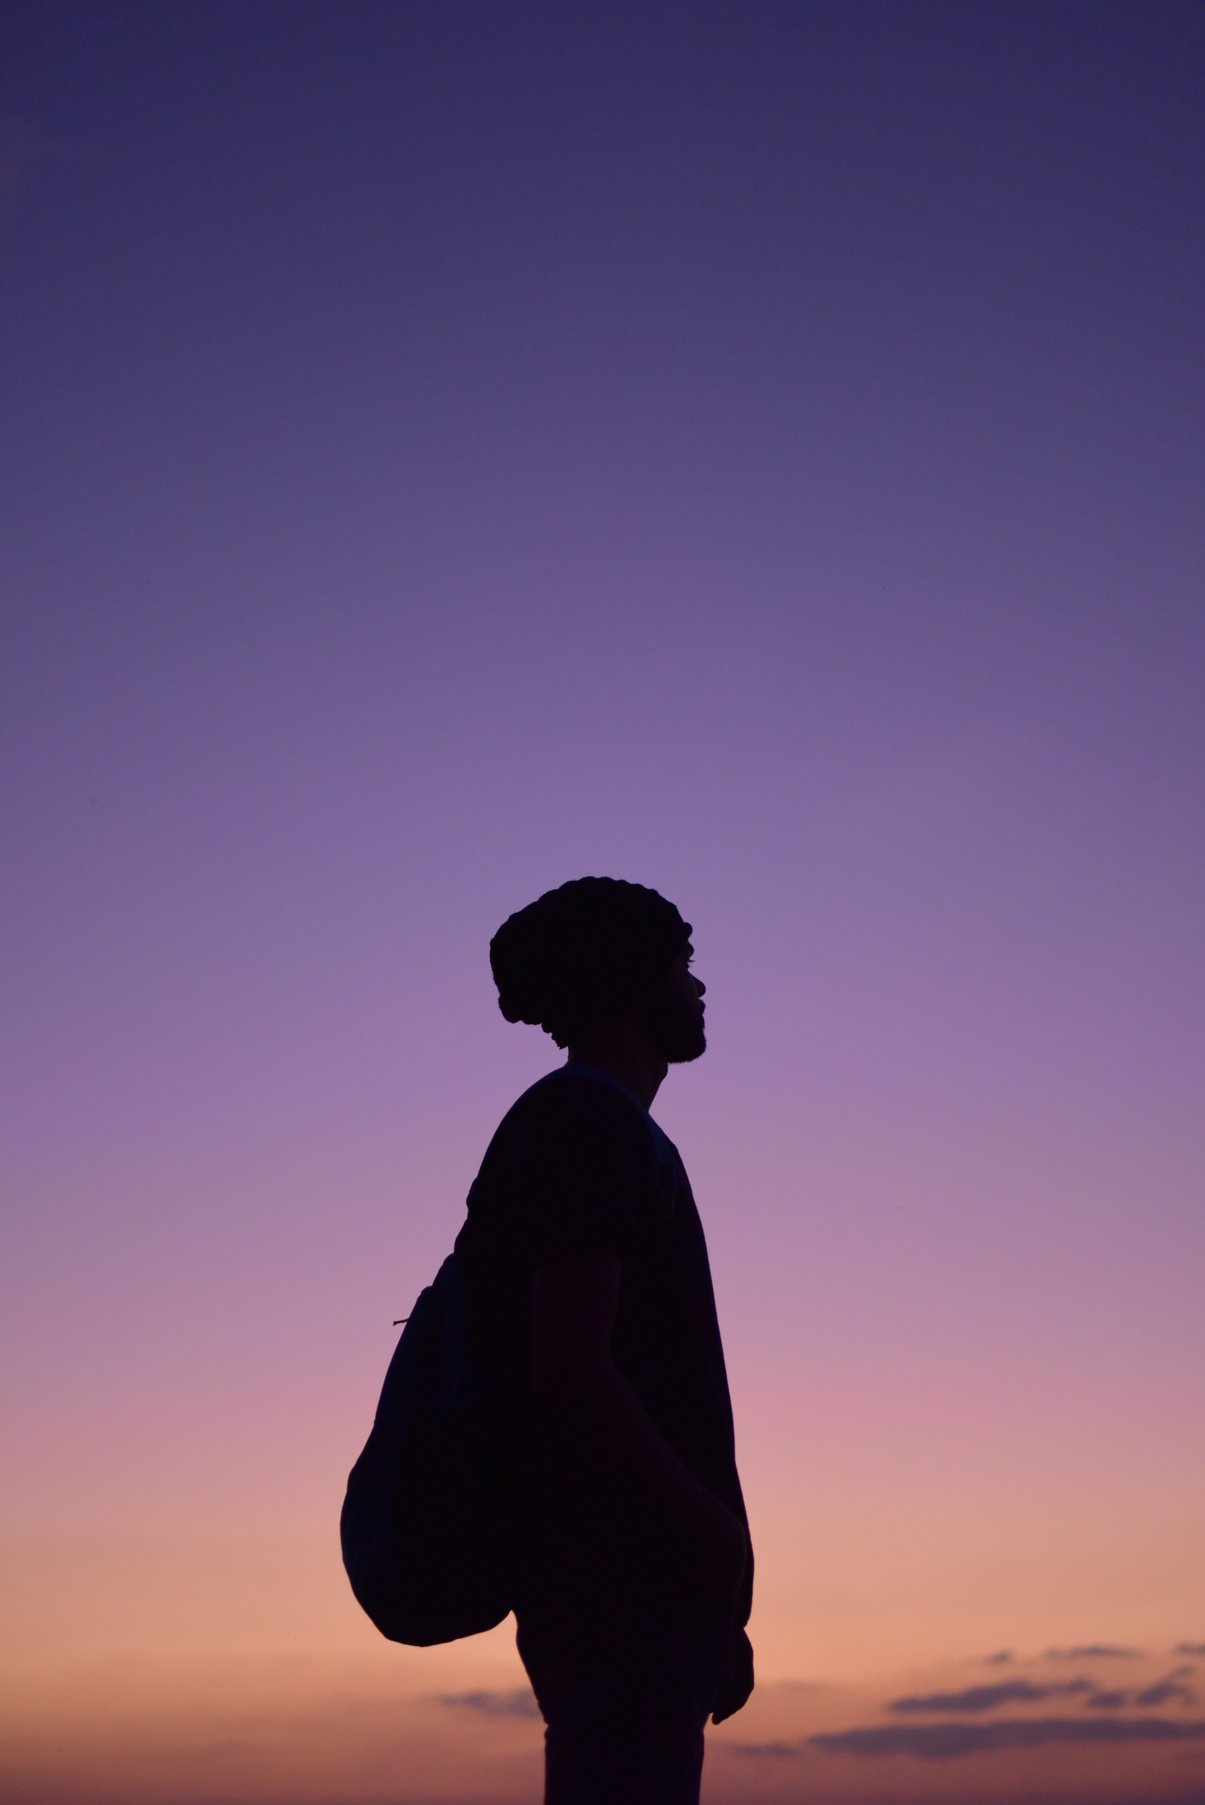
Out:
{"x": 750, "y": 449}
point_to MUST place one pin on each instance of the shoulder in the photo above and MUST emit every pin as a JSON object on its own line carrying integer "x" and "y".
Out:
{"x": 575, "y": 1103}
{"x": 571, "y": 1171}
{"x": 575, "y": 1136}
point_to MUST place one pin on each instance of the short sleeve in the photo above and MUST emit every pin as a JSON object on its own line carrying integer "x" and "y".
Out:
{"x": 577, "y": 1167}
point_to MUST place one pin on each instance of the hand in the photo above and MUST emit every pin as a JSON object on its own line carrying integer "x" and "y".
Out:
{"x": 737, "y": 1683}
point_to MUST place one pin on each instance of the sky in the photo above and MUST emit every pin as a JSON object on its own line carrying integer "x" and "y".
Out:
{"x": 754, "y": 449}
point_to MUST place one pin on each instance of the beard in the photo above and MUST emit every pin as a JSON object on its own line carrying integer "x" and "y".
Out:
{"x": 676, "y": 1028}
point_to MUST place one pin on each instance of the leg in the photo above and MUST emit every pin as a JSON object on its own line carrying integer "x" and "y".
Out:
{"x": 624, "y": 1697}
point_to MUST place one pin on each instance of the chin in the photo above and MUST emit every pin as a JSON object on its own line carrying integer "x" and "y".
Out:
{"x": 676, "y": 1029}
{"x": 683, "y": 1051}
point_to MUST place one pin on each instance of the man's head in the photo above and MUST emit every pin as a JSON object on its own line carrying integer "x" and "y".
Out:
{"x": 595, "y": 953}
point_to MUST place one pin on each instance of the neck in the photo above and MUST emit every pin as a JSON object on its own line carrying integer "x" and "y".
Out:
{"x": 637, "y": 1066}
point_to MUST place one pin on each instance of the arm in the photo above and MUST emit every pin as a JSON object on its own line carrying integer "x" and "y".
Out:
{"x": 586, "y": 1400}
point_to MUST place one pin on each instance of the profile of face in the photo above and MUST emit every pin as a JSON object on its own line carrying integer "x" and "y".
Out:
{"x": 673, "y": 1014}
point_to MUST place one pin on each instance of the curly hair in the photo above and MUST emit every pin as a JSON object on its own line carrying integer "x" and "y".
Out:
{"x": 580, "y": 955}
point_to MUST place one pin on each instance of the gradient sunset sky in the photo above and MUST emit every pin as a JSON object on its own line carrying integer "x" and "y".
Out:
{"x": 751, "y": 448}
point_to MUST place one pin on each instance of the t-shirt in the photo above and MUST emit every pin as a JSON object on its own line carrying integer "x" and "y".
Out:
{"x": 578, "y": 1166}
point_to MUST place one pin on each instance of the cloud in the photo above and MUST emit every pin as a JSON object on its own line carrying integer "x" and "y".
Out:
{"x": 1170, "y": 1687}
{"x": 520, "y": 1703}
{"x": 943, "y": 1742}
{"x": 1189, "y": 1648}
{"x": 939, "y": 1741}
{"x": 999, "y": 1659}
{"x": 988, "y": 1698}
{"x": 774, "y": 1750}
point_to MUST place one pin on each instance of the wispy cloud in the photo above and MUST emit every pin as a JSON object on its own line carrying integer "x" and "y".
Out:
{"x": 990, "y": 1698}
{"x": 1172, "y": 1688}
{"x": 774, "y": 1751}
{"x": 519, "y": 1703}
{"x": 1103, "y": 1722}
{"x": 1189, "y": 1648}
{"x": 942, "y": 1742}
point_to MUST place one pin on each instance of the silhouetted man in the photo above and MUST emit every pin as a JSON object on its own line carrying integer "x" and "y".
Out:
{"x": 593, "y": 1298}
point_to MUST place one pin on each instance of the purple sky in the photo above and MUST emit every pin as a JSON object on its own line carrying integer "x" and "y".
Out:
{"x": 754, "y": 449}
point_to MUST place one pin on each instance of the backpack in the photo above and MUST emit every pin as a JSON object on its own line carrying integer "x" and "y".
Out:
{"x": 423, "y": 1526}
